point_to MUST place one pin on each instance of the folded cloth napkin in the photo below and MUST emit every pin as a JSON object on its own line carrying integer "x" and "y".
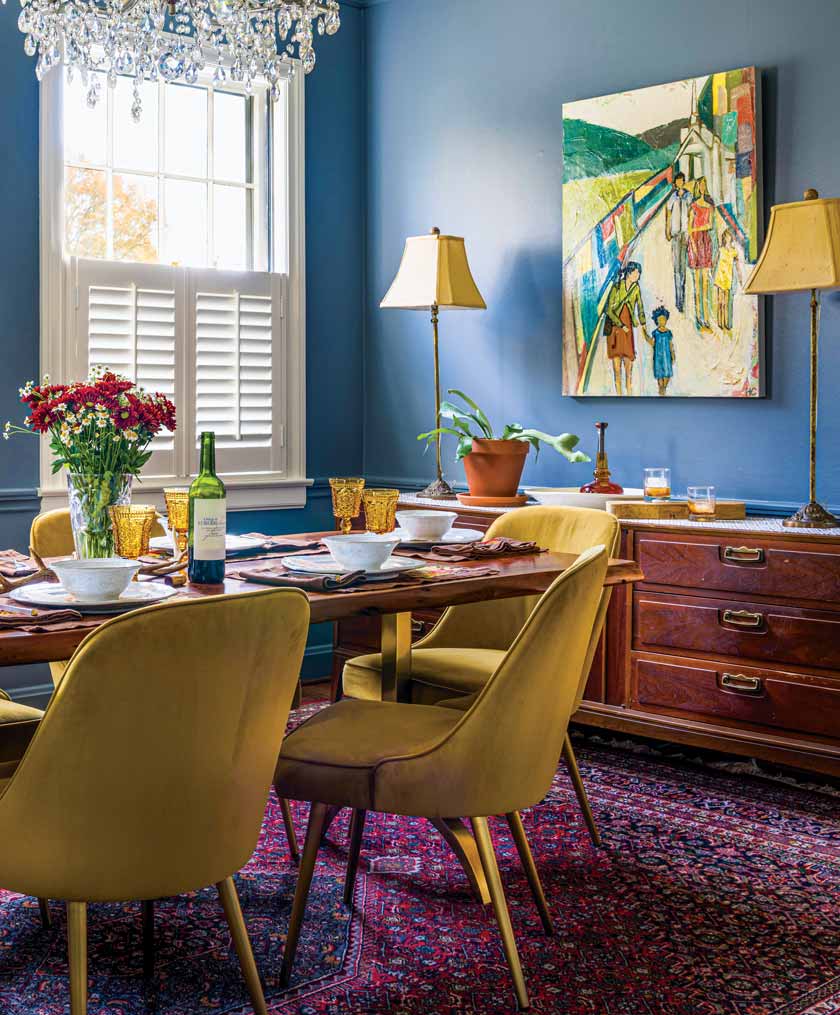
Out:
{"x": 285, "y": 543}
{"x": 282, "y": 578}
{"x": 14, "y": 564}
{"x": 500, "y": 546}
{"x": 25, "y": 618}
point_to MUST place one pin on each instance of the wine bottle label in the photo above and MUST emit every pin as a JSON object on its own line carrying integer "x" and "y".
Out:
{"x": 209, "y": 527}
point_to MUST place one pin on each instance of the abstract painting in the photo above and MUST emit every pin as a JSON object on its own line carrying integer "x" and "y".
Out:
{"x": 661, "y": 227}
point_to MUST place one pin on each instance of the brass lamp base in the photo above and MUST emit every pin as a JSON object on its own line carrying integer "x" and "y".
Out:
{"x": 438, "y": 490}
{"x": 812, "y": 516}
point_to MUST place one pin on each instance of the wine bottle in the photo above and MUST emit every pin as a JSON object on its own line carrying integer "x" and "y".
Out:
{"x": 208, "y": 519}
{"x": 603, "y": 482}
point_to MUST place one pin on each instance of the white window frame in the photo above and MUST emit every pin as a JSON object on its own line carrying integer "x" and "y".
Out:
{"x": 60, "y": 357}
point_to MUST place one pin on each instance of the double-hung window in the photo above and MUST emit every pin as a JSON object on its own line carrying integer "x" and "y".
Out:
{"x": 172, "y": 252}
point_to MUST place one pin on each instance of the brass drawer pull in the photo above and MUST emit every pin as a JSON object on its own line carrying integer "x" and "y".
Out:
{"x": 743, "y": 555}
{"x": 741, "y": 682}
{"x": 743, "y": 618}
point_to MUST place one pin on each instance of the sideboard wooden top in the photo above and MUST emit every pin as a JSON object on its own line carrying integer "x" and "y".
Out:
{"x": 745, "y": 526}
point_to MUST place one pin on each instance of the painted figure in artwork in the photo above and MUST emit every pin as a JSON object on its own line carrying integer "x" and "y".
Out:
{"x": 676, "y": 233}
{"x": 662, "y": 208}
{"x": 701, "y": 251}
{"x": 624, "y": 311}
{"x": 728, "y": 266}
{"x": 662, "y": 342}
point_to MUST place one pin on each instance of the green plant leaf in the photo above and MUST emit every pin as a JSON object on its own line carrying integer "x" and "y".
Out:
{"x": 564, "y": 443}
{"x": 464, "y": 448}
{"x": 477, "y": 414}
{"x": 456, "y": 416}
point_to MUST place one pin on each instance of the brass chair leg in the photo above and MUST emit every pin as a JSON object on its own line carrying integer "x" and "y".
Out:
{"x": 580, "y": 790}
{"x": 518, "y": 832}
{"x": 357, "y": 829}
{"x": 46, "y": 916}
{"x": 242, "y": 944}
{"x": 460, "y": 841}
{"x": 77, "y": 955}
{"x": 497, "y": 894}
{"x": 314, "y": 831}
{"x": 286, "y": 811}
{"x": 148, "y": 920}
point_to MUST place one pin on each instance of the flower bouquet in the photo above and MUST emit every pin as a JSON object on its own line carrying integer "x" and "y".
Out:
{"x": 100, "y": 429}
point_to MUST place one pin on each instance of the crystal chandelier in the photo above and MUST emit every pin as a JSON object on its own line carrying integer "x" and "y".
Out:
{"x": 173, "y": 40}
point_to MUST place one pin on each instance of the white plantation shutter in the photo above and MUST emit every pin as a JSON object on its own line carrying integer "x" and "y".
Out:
{"x": 238, "y": 354}
{"x": 129, "y": 314}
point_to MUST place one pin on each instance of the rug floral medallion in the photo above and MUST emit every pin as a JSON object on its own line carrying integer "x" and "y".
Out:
{"x": 714, "y": 894}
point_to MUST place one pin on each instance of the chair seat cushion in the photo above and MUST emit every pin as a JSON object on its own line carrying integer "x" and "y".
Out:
{"x": 436, "y": 673}
{"x": 333, "y": 757}
{"x": 17, "y": 727}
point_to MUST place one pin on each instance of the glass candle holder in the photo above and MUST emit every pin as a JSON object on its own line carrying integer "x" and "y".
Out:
{"x": 701, "y": 503}
{"x": 381, "y": 510}
{"x": 346, "y": 501}
{"x": 657, "y": 484}
{"x": 132, "y": 525}
{"x": 178, "y": 516}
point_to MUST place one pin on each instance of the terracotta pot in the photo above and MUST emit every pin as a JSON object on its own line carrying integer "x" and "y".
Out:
{"x": 494, "y": 468}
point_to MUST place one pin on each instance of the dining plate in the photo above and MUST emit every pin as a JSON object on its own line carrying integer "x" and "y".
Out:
{"x": 315, "y": 563}
{"x": 455, "y": 537}
{"x": 233, "y": 544}
{"x": 49, "y": 594}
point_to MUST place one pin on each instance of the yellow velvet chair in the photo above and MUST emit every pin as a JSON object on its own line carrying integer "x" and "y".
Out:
{"x": 498, "y": 757}
{"x": 457, "y": 657}
{"x": 209, "y": 685}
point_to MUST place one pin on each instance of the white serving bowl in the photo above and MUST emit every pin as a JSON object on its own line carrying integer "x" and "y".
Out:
{"x": 96, "y": 581}
{"x": 361, "y": 551}
{"x": 426, "y": 524}
{"x": 570, "y": 496}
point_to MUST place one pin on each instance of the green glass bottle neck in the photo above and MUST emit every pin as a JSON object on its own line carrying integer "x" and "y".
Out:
{"x": 207, "y": 462}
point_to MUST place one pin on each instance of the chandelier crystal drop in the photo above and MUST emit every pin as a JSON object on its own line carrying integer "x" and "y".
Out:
{"x": 250, "y": 41}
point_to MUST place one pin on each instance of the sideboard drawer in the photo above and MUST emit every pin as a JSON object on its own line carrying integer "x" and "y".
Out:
{"x": 740, "y": 564}
{"x": 781, "y": 634}
{"x": 806, "y": 704}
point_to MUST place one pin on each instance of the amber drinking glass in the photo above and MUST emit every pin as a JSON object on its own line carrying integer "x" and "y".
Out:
{"x": 657, "y": 484}
{"x": 132, "y": 525}
{"x": 346, "y": 501}
{"x": 178, "y": 517}
{"x": 701, "y": 503}
{"x": 381, "y": 510}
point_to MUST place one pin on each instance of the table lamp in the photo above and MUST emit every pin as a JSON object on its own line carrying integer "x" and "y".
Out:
{"x": 434, "y": 275}
{"x": 801, "y": 254}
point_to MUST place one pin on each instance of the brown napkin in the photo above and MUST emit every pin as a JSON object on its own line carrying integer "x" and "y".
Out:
{"x": 282, "y": 544}
{"x": 25, "y": 618}
{"x": 16, "y": 565}
{"x": 281, "y": 578}
{"x": 501, "y": 546}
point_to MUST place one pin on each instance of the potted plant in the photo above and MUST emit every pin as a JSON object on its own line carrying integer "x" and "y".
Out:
{"x": 100, "y": 429}
{"x": 493, "y": 465}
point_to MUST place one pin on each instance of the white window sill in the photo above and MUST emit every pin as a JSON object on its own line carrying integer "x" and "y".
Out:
{"x": 266, "y": 492}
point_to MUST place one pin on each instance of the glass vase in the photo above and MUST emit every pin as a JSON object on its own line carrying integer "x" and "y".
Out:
{"x": 90, "y": 497}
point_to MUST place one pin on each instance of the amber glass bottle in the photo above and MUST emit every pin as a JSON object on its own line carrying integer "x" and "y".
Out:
{"x": 602, "y": 482}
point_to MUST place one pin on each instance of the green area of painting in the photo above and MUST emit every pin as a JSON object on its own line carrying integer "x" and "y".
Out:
{"x": 586, "y": 202}
{"x": 590, "y": 150}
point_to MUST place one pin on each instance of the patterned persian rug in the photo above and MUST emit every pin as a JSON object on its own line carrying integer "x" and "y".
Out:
{"x": 715, "y": 894}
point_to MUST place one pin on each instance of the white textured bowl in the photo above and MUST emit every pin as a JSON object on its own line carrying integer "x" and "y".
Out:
{"x": 361, "y": 551}
{"x": 96, "y": 581}
{"x": 570, "y": 496}
{"x": 426, "y": 524}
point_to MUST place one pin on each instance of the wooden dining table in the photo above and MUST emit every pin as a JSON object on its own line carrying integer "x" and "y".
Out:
{"x": 525, "y": 575}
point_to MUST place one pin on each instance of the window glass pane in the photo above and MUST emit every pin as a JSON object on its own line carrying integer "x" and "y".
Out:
{"x": 135, "y": 218}
{"x": 230, "y": 140}
{"x": 85, "y": 129}
{"x": 185, "y": 223}
{"x": 230, "y": 227}
{"x": 185, "y": 143}
{"x": 85, "y": 218}
{"x": 135, "y": 144}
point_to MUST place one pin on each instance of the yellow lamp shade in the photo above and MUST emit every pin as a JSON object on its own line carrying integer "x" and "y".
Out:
{"x": 802, "y": 249}
{"x": 434, "y": 272}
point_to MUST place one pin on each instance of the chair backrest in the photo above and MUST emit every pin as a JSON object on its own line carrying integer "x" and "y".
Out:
{"x": 51, "y": 534}
{"x": 502, "y": 755}
{"x": 150, "y": 771}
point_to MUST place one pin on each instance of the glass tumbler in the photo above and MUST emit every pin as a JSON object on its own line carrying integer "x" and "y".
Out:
{"x": 701, "y": 503}
{"x": 381, "y": 510}
{"x": 132, "y": 525}
{"x": 657, "y": 484}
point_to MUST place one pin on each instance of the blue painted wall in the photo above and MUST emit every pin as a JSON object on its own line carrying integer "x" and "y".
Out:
{"x": 464, "y": 132}
{"x": 335, "y": 183}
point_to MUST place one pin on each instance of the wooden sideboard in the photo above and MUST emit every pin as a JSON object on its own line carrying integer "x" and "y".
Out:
{"x": 732, "y": 641}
